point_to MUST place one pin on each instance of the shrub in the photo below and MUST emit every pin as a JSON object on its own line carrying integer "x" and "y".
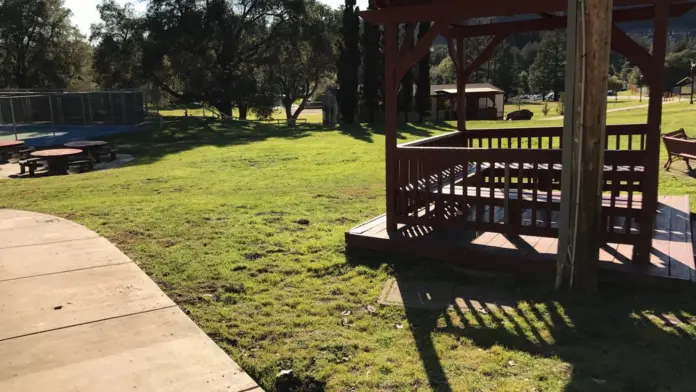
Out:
{"x": 545, "y": 109}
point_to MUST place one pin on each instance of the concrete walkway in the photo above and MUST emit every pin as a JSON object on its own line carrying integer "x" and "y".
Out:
{"x": 76, "y": 314}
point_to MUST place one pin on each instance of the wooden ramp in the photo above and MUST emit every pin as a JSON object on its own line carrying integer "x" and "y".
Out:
{"x": 672, "y": 254}
{"x": 76, "y": 314}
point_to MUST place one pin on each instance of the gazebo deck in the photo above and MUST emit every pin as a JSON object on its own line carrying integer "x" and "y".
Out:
{"x": 671, "y": 257}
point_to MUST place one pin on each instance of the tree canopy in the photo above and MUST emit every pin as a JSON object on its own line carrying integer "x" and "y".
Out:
{"x": 39, "y": 47}
{"x": 299, "y": 65}
{"x": 118, "y": 51}
{"x": 213, "y": 51}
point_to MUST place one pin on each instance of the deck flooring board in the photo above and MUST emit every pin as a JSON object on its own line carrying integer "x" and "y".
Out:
{"x": 672, "y": 255}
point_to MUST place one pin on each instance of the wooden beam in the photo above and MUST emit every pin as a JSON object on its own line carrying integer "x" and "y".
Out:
{"x": 557, "y": 22}
{"x": 390, "y": 113}
{"x": 485, "y": 54}
{"x": 636, "y": 54}
{"x": 462, "y": 79}
{"x": 652, "y": 165}
{"x": 455, "y": 11}
{"x": 408, "y": 59}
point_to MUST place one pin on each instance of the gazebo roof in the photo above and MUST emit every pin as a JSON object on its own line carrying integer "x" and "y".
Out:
{"x": 395, "y": 11}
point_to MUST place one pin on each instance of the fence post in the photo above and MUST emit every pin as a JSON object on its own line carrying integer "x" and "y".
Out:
{"x": 123, "y": 106}
{"x": 111, "y": 108}
{"x": 27, "y": 108}
{"x": 53, "y": 124}
{"x": 89, "y": 106}
{"x": 61, "y": 115}
{"x": 84, "y": 114}
{"x": 14, "y": 123}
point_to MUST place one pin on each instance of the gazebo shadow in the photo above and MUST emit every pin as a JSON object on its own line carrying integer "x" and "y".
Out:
{"x": 619, "y": 341}
{"x": 628, "y": 338}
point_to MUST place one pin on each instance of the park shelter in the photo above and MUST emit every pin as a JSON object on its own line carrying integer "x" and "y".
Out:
{"x": 501, "y": 198}
{"x": 483, "y": 101}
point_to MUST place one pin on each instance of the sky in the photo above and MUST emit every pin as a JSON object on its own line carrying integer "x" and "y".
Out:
{"x": 85, "y": 11}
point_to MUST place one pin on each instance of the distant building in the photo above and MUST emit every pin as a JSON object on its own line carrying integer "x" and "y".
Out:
{"x": 684, "y": 86}
{"x": 484, "y": 101}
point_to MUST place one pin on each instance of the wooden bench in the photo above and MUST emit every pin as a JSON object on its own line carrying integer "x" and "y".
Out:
{"x": 83, "y": 165}
{"x": 679, "y": 146}
{"x": 31, "y": 163}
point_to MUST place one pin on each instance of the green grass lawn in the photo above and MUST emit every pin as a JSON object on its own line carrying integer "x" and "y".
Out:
{"x": 537, "y": 106}
{"x": 215, "y": 214}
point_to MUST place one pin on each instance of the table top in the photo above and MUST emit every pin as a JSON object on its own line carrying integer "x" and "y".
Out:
{"x": 85, "y": 143}
{"x": 11, "y": 143}
{"x": 56, "y": 152}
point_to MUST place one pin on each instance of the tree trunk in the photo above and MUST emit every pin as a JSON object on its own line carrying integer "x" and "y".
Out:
{"x": 243, "y": 110}
{"x": 288, "y": 113}
{"x": 225, "y": 107}
{"x": 298, "y": 111}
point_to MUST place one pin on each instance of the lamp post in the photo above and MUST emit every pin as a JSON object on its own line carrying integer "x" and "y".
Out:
{"x": 691, "y": 89}
{"x": 640, "y": 87}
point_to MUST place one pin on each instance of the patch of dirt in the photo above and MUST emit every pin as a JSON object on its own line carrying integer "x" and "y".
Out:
{"x": 358, "y": 192}
{"x": 128, "y": 237}
{"x": 253, "y": 256}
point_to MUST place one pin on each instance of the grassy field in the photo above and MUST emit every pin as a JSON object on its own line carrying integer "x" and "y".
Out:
{"x": 311, "y": 116}
{"x": 242, "y": 225}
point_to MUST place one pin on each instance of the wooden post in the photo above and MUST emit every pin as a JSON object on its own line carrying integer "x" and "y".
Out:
{"x": 571, "y": 124}
{"x": 390, "y": 119}
{"x": 587, "y": 166}
{"x": 641, "y": 253}
{"x": 461, "y": 86}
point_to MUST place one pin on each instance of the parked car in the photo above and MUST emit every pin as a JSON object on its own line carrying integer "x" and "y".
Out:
{"x": 612, "y": 93}
{"x": 550, "y": 96}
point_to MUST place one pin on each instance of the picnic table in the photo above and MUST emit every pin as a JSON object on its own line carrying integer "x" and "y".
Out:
{"x": 9, "y": 146}
{"x": 57, "y": 159}
{"x": 91, "y": 147}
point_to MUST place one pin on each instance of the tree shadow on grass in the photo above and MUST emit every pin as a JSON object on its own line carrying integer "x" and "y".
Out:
{"x": 628, "y": 338}
{"x": 154, "y": 141}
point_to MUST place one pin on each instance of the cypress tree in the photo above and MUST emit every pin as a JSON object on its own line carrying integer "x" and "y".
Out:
{"x": 423, "y": 78}
{"x": 372, "y": 68}
{"x": 406, "y": 92}
{"x": 349, "y": 62}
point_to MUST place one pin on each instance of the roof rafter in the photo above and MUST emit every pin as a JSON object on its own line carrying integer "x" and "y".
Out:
{"x": 558, "y": 22}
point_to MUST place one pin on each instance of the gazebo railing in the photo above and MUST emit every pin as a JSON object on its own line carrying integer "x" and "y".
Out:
{"x": 618, "y": 137}
{"x": 515, "y": 191}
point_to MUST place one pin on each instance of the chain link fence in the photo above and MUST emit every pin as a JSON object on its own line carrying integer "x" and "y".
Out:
{"x": 26, "y": 114}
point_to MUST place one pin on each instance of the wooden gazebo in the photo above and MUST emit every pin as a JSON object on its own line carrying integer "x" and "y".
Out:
{"x": 465, "y": 194}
